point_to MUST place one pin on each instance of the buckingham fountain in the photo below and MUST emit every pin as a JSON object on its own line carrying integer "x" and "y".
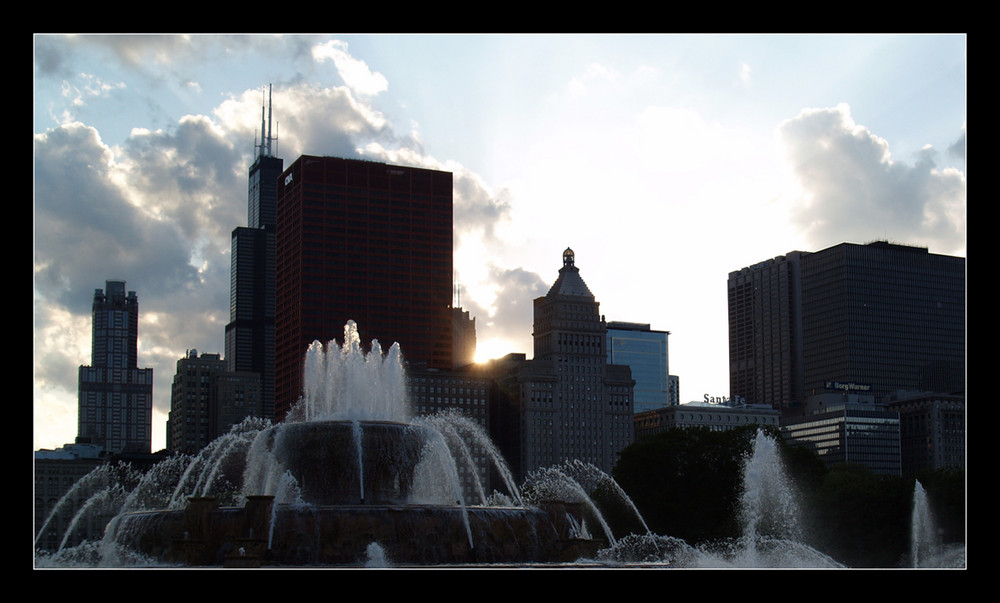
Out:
{"x": 351, "y": 479}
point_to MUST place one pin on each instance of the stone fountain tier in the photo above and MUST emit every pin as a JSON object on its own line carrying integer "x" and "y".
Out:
{"x": 205, "y": 534}
{"x": 324, "y": 459}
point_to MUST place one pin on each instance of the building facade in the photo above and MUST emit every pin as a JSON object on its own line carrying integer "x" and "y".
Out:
{"x": 56, "y": 472}
{"x": 849, "y": 432}
{"x": 115, "y": 395}
{"x": 645, "y": 352}
{"x": 879, "y": 317}
{"x": 931, "y": 430}
{"x": 206, "y": 399}
{"x": 464, "y": 392}
{"x": 249, "y": 339}
{"x": 566, "y": 403}
{"x": 765, "y": 344}
{"x": 717, "y": 417}
{"x": 362, "y": 241}
{"x": 463, "y": 337}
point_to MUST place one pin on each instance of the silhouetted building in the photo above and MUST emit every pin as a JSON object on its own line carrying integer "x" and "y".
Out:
{"x": 206, "y": 400}
{"x": 464, "y": 392}
{"x": 869, "y": 318}
{"x": 56, "y": 472}
{"x": 362, "y": 241}
{"x": 567, "y": 403}
{"x": 675, "y": 389}
{"x": 250, "y": 332}
{"x": 846, "y": 429}
{"x": 115, "y": 396}
{"x": 645, "y": 352}
{"x": 931, "y": 430}
{"x": 717, "y": 417}
{"x": 463, "y": 338}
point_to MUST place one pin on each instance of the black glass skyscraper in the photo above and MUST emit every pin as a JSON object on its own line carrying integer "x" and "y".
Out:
{"x": 250, "y": 332}
{"x": 869, "y": 319}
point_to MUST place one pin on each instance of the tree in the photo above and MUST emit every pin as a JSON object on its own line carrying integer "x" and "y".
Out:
{"x": 686, "y": 482}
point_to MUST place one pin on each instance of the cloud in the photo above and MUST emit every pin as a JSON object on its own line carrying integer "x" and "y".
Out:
{"x": 852, "y": 189}
{"x": 90, "y": 226}
{"x": 355, "y": 73}
{"x": 509, "y": 315}
{"x": 158, "y": 209}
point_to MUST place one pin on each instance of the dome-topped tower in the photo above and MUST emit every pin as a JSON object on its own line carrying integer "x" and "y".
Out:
{"x": 569, "y": 281}
{"x": 584, "y": 404}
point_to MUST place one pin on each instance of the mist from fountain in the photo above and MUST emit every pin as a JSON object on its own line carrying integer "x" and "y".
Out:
{"x": 923, "y": 535}
{"x": 926, "y": 548}
{"x": 346, "y": 386}
{"x": 343, "y": 387}
{"x": 770, "y": 533}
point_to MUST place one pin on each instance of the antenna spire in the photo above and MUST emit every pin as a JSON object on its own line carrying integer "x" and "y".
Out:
{"x": 264, "y": 150}
{"x": 269, "y": 119}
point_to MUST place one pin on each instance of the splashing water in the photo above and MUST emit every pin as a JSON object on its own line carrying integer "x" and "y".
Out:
{"x": 375, "y": 556}
{"x": 923, "y": 536}
{"x": 344, "y": 383}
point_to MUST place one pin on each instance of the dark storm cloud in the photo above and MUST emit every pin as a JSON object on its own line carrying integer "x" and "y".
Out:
{"x": 87, "y": 231}
{"x": 854, "y": 191}
{"x": 476, "y": 210}
{"x": 513, "y": 311}
{"x": 192, "y": 175}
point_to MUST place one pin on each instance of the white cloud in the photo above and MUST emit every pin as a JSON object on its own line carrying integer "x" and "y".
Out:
{"x": 355, "y": 73}
{"x": 853, "y": 190}
{"x": 744, "y": 75}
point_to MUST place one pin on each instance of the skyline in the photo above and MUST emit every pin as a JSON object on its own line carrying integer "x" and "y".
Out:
{"x": 664, "y": 161}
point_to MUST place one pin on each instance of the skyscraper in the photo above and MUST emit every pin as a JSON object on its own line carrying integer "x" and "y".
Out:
{"x": 593, "y": 400}
{"x": 567, "y": 402}
{"x": 362, "y": 241}
{"x": 206, "y": 400}
{"x": 250, "y": 332}
{"x": 868, "y": 319}
{"x": 189, "y": 426}
{"x": 644, "y": 350}
{"x": 115, "y": 396}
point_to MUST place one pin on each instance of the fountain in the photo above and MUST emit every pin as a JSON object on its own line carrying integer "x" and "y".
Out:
{"x": 349, "y": 478}
{"x": 770, "y": 535}
{"x": 926, "y": 548}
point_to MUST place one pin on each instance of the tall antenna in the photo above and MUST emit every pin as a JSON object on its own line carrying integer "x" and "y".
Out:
{"x": 269, "y": 120}
{"x": 264, "y": 149}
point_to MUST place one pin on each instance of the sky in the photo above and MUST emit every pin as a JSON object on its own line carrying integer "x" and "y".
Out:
{"x": 664, "y": 161}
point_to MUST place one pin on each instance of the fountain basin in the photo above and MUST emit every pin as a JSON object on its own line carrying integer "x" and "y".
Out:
{"x": 349, "y": 462}
{"x": 303, "y": 535}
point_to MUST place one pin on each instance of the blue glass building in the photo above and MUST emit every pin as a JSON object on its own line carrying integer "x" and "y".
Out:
{"x": 645, "y": 352}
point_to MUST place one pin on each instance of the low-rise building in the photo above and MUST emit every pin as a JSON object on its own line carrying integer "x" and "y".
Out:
{"x": 703, "y": 414}
{"x": 847, "y": 428}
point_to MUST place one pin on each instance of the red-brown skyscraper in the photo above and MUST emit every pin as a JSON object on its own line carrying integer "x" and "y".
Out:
{"x": 362, "y": 241}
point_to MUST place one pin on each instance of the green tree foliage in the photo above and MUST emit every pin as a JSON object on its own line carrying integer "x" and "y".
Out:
{"x": 686, "y": 482}
{"x": 946, "y": 493}
{"x": 862, "y": 519}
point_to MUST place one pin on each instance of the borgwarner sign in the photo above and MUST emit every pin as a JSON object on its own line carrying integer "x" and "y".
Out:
{"x": 848, "y": 387}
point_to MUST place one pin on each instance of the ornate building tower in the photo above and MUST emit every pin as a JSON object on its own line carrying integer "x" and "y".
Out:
{"x": 115, "y": 396}
{"x": 567, "y": 403}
